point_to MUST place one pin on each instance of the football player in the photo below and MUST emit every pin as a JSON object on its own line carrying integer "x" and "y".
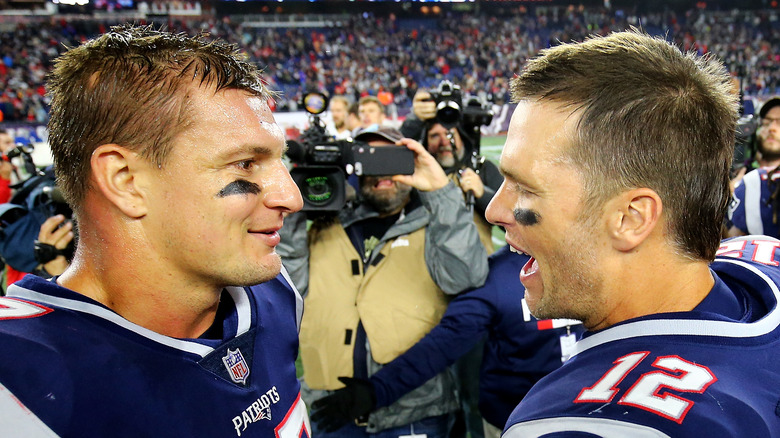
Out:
{"x": 174, "y": 318}
{"x": 616, "y": 184}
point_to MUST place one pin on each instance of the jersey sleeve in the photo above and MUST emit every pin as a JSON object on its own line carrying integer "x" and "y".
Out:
{"x": 462, "y": 326}
{"x": 736, "y": 210}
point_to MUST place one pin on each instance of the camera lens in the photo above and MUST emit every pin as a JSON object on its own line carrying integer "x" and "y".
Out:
{"x": 448, "y": 113}
{"x": 318, "y": 190}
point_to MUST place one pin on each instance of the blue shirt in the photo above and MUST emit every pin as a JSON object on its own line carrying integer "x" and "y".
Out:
{"x": 519, "y": 349}
{"x": 751, "y": 209}
{"x": 709, "y": 372}
{"x": 75, "y": 368}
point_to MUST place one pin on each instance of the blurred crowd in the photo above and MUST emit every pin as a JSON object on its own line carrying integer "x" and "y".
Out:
{"x": 392, "y": 57}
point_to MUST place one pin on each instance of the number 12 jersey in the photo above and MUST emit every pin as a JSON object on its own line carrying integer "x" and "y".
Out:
{"x": 710, "y": 372}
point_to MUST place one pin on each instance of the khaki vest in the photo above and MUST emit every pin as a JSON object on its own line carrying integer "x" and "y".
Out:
{"x": 397, "y": 301}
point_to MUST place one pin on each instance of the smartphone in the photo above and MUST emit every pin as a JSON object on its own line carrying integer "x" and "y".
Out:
{"x": 382, "y": 160}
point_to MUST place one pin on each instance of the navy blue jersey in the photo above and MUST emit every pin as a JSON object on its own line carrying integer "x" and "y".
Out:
{"x": 710, "y": 372}
{"x": 72, "y": 367}
{"x": 519, "y": 349}
{"x": 751, "y": 209}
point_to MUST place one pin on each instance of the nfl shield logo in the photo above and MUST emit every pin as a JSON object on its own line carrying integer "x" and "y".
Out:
{"x": 236, "y": 366}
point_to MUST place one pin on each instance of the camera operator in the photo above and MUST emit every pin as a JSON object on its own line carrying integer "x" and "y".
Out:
{"x": 440, "y": 122}
{"x": 764, "y": 149}
{"x": 36, "y": 234}
{"x": 376, "y": 278}
{"x": 447, "y": 145}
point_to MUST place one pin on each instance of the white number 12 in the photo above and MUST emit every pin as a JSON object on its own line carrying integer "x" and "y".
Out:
{"x": 646, "y": 393}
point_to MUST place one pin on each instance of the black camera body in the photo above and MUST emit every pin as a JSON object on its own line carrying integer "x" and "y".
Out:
{"x": 322, "y": 165}
{"x": 451, "y": 110}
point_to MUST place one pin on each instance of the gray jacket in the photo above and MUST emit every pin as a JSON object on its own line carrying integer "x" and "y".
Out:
{"x": 455, "y": 259}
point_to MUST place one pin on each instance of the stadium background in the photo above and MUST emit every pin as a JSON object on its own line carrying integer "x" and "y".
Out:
{"x": 274, "y": 14}
{"x": 744, "y": 33}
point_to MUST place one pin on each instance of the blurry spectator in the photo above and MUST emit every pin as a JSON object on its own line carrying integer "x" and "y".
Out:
{"x": 338, "y": 107}
{"x": 518, "y": 352}
{"x": 376, "y": 279}
{"x": 6, "y": 168}
{"x": 353, "y": 118}
{"x": 371, "y": 112}
{"x": 361, "y": 54}
{"x": 756, "y": 202}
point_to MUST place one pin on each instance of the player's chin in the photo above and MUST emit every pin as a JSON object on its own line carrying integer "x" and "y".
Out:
{"x": 262, "y": 270}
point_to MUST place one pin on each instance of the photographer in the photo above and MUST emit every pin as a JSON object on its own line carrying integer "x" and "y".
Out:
{"x": 450, "y": 132}
{"x": 376, "y": 278}
{"x": 448, "y": 147}
{"x": 36, "y": 233}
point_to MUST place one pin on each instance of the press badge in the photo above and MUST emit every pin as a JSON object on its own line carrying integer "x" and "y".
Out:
{"x": 567, "y": 346}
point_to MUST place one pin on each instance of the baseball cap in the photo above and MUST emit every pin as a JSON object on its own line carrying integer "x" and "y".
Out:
{"x": 379, "y": 133}
{"x": 768, "y": 105}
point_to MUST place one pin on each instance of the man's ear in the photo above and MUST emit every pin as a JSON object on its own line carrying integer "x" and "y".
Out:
{"x": 635, "y": 214}
{"x": 116, "y": 171}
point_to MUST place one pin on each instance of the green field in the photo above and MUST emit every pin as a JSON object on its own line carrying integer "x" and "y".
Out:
{"x": 491, "y": 149}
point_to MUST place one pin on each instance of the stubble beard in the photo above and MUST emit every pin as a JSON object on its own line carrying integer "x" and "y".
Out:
{"x": 261, "y": 272}
{"x": 770, "y": 155}
{"x": 573, "y": 290}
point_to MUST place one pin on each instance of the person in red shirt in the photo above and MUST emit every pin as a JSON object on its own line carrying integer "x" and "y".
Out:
{"x": 6, "y": 168}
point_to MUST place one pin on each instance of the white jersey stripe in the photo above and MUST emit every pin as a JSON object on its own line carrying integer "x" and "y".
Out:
{"x": 92, "y": 309}
{"x": 602, "y": 427}
{"x": 298, "y": 298}
{"x": 243, "y": 309}
{"x": 753, "y": 221}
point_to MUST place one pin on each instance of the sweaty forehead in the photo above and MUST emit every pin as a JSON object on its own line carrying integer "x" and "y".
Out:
{"x": 540, "y": 136}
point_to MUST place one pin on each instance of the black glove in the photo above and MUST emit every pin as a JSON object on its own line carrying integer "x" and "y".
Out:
{"x": 355, "y": 400}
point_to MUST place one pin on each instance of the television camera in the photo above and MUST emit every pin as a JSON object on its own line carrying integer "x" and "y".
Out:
{"x": 321, "y": 164}
{"x": 451, "y": 111}
{"x": 468, "y": 118}
{"x": 35, "y": 199}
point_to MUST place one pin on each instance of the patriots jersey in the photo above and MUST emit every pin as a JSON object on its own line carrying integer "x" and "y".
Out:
{"x": 711, "y": 372}
{"x": 71, "y": 367}
{"x": 751, "y": 209}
